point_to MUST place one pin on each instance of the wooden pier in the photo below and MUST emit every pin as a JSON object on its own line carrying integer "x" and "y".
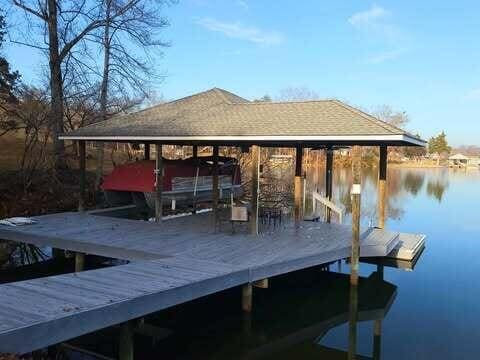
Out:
{"x": 181, "y": 260}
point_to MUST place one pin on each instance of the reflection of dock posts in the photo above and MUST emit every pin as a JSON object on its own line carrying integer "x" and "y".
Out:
{"x": 79, "y": 261}
{"x": 158, "y": 183}
{"x": 377, "y": 339}
{"x": 125, "y": 346}
{"x": 377, "y": 326}
{"x": 196, "y": 169}
{"x": 328, "y": 181}
{"x": 352, "y": 322}
{"x": 247, "y": 294}
{"x": 247, "y": 324}
{"x": 298, "y": 185}
{"x": 215, "y": 187}
{"x": 255, "y": 156}
{"x": 82, "y": 168}
{"x": 382, "y": 186}
{"x": 146, "y": 151}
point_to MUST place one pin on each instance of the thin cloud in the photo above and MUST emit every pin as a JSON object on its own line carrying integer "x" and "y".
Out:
{"x": 240, "y": 31}
{"x": 243, "y": 4}
{"x": 473, "y": 95}
{"x": 368, "y": 17}
{"x": 385, "y": 56}
{"x": 376, "y": 27}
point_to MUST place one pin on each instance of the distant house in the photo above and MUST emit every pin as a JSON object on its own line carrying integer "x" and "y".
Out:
{"x": 460, "y": 160}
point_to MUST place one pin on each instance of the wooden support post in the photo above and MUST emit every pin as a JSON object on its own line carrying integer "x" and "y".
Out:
{"x": 126, "y": 342}
{"x": 146, "y": 151}
{"x": 82, "y": 168}
{"x": 247, "y": 295}
{"x": 328, "y": 181}
{"x": 255, "y": 154}
{"x": 79, "y": 262}
{"x": 355, "y": 195}
{"x": 382, "y": 186}
{"x": 195, "y": 175}
{"x": 319, "y": 170}
{"x": 215, "y": 192}
{"x": 377, "y": 339}
{"x": 158, "y": 183}
{"x": 298, "y": 185}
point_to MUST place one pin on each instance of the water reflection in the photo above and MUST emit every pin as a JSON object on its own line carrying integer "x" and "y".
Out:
{"x": 436, "y": 189}
{"x": 413, "y": 182}
{"x": 402, "y": 184}
{"x": 294, "y": 318}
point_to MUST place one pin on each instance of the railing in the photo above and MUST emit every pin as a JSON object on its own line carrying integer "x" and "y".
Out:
{"x": 328, "y": 205}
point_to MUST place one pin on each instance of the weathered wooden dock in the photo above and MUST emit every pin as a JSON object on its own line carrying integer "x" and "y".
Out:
{"x": 172, "y": 263}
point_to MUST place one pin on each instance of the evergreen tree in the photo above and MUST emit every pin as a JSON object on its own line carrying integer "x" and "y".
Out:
{"x": 8, "y": 80}
{"x": 438, "y": 144}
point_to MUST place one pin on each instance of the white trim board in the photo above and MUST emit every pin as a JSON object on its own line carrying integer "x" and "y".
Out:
{"x": 340, "y": 138}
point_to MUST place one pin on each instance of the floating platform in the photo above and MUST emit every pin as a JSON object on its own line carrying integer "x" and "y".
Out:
{"x": 170, "y": 263}
{"x": 408, "y": 246}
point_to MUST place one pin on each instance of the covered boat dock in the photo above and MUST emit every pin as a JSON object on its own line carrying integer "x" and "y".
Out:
{"x": 182, "y": 259}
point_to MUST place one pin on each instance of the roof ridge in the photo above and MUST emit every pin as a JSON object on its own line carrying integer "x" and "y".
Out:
{"x": 284, "y": 102}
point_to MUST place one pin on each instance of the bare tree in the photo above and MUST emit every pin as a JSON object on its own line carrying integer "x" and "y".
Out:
{"x": 297, "y": 94}
{"x": 62, "y": 26}
{"x": 126, "y": 74}
{"x": 396, "y": 118}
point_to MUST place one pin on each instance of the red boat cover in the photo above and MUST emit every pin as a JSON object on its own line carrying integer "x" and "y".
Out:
{"x": 140, "y": 176}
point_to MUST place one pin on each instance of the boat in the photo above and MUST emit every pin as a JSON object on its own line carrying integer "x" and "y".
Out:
{"x": 184, "y": 181}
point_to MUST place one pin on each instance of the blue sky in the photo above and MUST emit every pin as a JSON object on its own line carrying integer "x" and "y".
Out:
{"x": 422, "y": 57}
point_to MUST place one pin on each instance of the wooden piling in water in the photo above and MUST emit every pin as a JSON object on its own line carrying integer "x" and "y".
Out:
{"x": 82, "y": 168}
{"x": 382, "y": 186}
{"x": 126, "y": 342}
{"x": 215, "y": 192}
{"x": 298, "y": 191}
{"x": 79, "y": 261}
{"x": 255, "y": 154}
{"x": 355, "y": 196}
{"x": 158, "y": 183}
{"x": 247, "y": 294}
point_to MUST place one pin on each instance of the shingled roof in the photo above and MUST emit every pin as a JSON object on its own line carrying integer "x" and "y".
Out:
{"x": 219, "y": 116}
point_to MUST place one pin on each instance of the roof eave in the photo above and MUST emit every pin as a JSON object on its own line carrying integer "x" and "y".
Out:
{"x": 398, "y": 139}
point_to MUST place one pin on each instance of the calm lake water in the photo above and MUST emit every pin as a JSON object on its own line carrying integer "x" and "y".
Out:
{"x": 432, "y": 312}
